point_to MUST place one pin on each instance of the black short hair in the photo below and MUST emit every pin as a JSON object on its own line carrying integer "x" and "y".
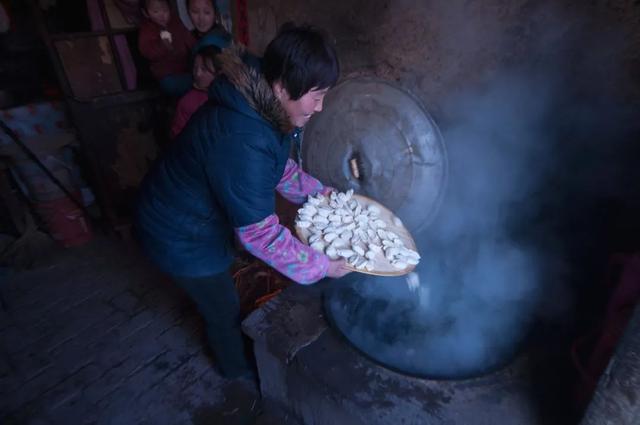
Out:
{"x": 209, "y": 55}
{"x": 213, "y": 3}
{"x": 144, "y": 4}
{"x": 301, "y": 58}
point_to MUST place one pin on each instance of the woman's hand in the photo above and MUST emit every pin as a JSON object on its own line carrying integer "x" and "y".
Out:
{"x": 327, "y": 190}
{"x": 338, "y": 268}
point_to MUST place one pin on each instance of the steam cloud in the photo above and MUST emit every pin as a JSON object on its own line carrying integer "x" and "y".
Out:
{"x": 525, "y": 152}
{"x": 478, "y": 283}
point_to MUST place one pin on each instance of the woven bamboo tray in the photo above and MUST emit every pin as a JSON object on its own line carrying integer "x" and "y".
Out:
{"x": 382, "y": 266}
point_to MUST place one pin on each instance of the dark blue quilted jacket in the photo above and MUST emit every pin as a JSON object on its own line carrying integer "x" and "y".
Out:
{"x": 219, "y": 174}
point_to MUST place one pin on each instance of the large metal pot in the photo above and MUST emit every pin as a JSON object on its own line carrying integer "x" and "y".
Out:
{"x": 379, "y": 140}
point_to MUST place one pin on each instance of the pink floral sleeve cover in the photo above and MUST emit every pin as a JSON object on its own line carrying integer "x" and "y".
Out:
{"x": 295, "y": 185}
{"x": 275, "y": 245}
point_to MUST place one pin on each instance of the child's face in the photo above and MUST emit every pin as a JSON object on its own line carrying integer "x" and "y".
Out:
{"x": 203, "y": 74}
{"x": 159, "y": 12}
{"x": 202, "y": 15}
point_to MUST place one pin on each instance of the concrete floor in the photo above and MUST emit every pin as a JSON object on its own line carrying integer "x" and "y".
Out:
{"x": 93, "y": 335}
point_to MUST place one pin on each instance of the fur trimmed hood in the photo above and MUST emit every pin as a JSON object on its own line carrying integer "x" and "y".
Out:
{"x": 253, "y": 86}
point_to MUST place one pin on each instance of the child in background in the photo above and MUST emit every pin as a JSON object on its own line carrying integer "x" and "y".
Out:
{"x": 167, "y": 44}
{"x": 205, "y": 18}
{"x": 204, "y": 72}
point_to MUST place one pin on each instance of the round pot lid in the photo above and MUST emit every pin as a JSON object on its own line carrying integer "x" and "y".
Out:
{"x": 377, "y": 139}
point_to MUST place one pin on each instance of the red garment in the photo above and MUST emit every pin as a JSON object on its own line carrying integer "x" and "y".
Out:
{"x": 162, "y": 60}
{"x": 187, "y": 106}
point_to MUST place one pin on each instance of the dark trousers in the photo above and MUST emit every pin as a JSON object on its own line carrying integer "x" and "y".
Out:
{"x": 218, "y": 302}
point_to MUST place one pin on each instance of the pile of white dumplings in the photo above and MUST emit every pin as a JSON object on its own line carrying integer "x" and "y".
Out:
{"x": 339, "y": 226}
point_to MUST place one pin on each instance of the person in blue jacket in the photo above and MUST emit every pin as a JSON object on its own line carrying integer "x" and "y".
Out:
{"x": 215, "y": 187}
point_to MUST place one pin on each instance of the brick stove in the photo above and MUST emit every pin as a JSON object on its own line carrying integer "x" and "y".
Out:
{"x": 308, "y": 368}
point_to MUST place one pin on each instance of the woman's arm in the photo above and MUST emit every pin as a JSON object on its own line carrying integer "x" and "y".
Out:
{"x": 276, "y": 246}
{"x": 243, "y": 184}
{"x": 295, "y": 185}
